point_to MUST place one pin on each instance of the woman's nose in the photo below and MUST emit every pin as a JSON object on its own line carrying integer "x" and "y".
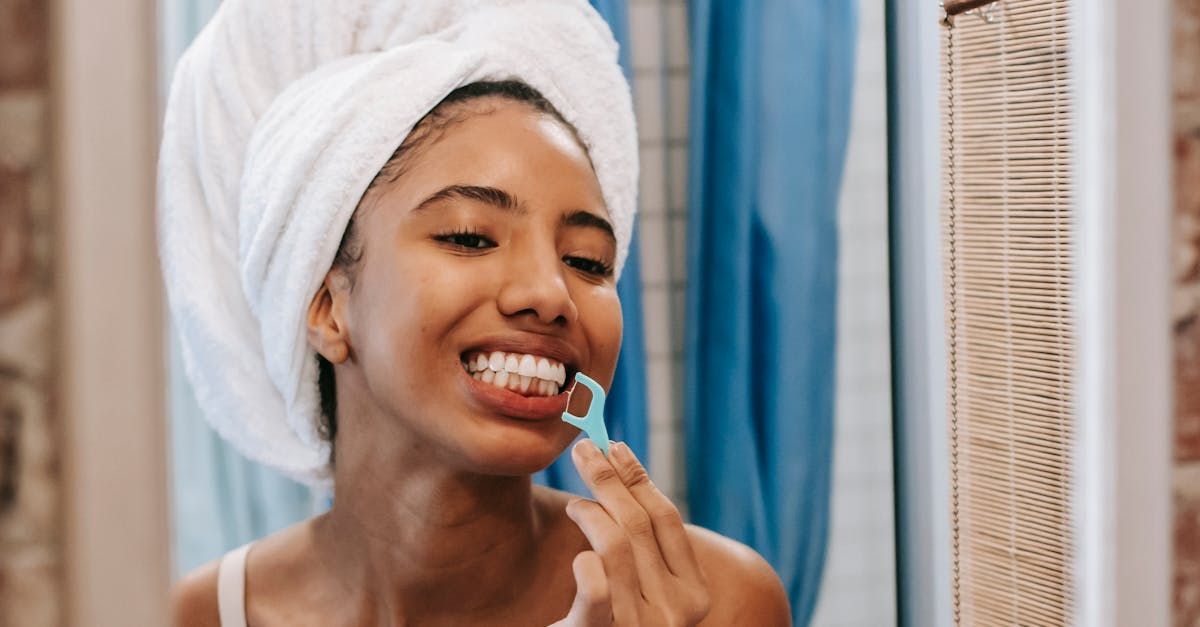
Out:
{"x": 535, "y": 286}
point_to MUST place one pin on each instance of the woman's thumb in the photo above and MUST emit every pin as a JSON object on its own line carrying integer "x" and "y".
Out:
{"x": 592, "y": 604}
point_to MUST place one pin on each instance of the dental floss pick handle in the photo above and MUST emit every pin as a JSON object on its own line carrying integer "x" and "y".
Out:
{"x": 593, "y": 423}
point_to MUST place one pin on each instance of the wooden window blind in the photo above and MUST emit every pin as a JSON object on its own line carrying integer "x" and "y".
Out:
{"x": 1008, "y": 273}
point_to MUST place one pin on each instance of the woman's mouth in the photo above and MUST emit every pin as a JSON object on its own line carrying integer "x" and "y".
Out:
{"x": 497, "y": 381}
{"x": 524, "y": 374}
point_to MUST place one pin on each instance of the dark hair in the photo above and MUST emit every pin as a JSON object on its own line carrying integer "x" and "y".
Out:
{"x": 428, "y": 129}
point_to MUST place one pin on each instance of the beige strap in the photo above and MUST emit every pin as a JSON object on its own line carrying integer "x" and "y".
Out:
{"x": 231, "y": 588}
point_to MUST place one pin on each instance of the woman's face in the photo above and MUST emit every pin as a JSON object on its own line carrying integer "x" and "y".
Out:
{"x": 492, "y": 252}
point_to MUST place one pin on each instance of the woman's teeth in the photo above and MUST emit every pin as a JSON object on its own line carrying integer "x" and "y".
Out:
{"x": 525, "y": 374}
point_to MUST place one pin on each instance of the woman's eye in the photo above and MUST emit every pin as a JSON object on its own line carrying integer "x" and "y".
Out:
{"x": 467, "y": 241}
{"x": 590, "y": 266}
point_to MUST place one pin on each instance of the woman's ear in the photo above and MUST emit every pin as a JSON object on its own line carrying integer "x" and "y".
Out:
{"x": 327, "y": 331}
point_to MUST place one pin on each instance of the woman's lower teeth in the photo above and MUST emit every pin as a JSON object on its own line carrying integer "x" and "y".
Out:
{"x": 529, "y": 386}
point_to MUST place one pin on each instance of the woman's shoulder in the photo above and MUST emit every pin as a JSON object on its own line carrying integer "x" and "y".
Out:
{"x": 743, "y": 588}
{"x": 194, "y": 598}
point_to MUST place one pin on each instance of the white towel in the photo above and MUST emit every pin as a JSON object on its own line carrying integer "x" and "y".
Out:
{"x": 280, "y": 114}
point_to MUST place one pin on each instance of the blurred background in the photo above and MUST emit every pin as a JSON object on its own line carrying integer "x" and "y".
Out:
{"x": 791, "y": 224}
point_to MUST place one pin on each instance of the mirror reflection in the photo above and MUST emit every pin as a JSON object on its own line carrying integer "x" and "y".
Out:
{"x": 379, "y": 409}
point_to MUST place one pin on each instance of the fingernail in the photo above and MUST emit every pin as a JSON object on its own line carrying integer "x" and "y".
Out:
{"x": 586, "y": 448}
{"x": 621, "y": 451}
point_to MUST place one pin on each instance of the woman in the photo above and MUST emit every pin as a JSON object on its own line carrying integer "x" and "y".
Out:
{"x": 476, "y": 275}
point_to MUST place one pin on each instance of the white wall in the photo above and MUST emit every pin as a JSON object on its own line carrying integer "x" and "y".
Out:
{"x": 859, "y": 586}
{"x": 658, "y": 34}
{"x": 1121, "y": 74}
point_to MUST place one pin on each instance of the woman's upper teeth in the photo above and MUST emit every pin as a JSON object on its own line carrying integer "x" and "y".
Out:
{"x": 531, "y": 366}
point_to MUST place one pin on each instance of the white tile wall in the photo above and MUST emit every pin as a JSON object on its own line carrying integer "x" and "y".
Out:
{"x": 658, "y": 33}
{"x": 859, "y": 586}
{"x": 859, "y": 582}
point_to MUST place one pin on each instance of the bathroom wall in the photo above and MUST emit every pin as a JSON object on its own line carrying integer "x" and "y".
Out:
{"x": 31, "y": 583}
{"x": 658, "y": 37}
{"x": 1186, "y": 308}
{"x": 859, "y": 584}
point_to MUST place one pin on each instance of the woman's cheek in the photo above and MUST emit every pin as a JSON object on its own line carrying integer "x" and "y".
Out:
{"x": 603, "y": 323}
{"x": 399, "y": 304}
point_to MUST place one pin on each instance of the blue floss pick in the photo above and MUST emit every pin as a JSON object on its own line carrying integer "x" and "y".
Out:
{"x": 593, "y": 423}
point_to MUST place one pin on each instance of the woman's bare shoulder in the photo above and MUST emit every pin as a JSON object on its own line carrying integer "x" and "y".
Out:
{"x": 194, "y": 598}
{"x": 743, "y": 588}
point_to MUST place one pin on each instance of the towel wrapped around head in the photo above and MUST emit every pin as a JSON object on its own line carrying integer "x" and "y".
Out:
{"x": 279, "y": 116}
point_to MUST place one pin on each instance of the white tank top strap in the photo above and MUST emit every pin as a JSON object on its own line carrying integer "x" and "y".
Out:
{"x": 231, "y": 587}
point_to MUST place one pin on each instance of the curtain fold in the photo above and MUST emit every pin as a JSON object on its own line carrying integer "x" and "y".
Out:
{"x": 770, "y": 106}
{"x": 625, "y": 409}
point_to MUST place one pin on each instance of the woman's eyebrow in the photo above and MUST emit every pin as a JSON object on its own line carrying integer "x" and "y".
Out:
{"x": 493, "y": 196}
{"x": 589, "y": 220}
{"x": 501, "y": 199}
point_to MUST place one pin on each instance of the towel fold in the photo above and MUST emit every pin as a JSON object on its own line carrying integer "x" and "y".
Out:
{"x": 280, "y": 114}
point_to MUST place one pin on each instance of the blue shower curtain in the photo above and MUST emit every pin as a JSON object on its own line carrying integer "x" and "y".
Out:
{"x": 771, "y": 89}
{"x": 626, "y": 405}
{"x": 221, "y": 500}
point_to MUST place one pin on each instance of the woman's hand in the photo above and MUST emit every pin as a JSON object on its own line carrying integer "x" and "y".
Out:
{"x": 642, "y": 569}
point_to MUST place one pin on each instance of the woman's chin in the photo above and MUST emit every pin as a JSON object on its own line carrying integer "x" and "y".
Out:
{"x": 516, "y": 454}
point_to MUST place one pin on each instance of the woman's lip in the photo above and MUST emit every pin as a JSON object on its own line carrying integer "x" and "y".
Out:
{"x": 513, "y": 405}
{"x": 529, "y": 344}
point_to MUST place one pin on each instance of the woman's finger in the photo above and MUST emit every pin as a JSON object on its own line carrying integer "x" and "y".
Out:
{"x": 616, "y": 554}
{"x": 593, "y": 605}
{"x": 607, "y": 485}
{"x": 669, "y": 532}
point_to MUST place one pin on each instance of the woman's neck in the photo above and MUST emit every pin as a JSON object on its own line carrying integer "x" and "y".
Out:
{"x": 430, "y": 541}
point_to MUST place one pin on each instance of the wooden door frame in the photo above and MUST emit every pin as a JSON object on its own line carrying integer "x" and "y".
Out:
{"x": 111, "y": 394}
